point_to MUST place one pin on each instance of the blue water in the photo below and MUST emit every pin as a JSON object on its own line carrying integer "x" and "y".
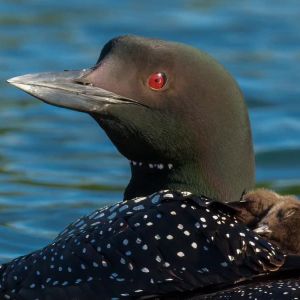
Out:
{"x": 56, "y": 165}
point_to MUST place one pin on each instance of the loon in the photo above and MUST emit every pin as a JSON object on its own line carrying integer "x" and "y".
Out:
{"x": 180, "y": 119}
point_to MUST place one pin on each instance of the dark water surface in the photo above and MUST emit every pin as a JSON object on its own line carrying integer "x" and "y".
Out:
{"x": 56, "y": 165}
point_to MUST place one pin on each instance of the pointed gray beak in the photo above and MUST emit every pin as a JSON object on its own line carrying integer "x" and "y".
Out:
{"x": 262, "y": 229}
{"x": 69, "y": 89}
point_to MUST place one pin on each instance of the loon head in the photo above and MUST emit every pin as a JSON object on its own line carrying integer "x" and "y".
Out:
{"x": 170, "y": 109}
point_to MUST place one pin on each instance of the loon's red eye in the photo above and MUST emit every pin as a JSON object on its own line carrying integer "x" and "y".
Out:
{"x": 157, "y": 81}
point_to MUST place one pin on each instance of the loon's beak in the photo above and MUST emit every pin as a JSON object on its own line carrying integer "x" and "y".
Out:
{"x": 69, "y": 89}
{"x": 262, "y": 229}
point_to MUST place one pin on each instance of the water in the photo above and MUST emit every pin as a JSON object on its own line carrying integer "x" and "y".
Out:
{"x": 56, "y": 165}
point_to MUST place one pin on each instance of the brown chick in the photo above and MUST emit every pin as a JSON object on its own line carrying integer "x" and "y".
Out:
{"x": 275, "y": 217}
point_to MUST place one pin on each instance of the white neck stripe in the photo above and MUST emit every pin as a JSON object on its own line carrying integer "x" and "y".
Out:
{"x": 159, "y": 166}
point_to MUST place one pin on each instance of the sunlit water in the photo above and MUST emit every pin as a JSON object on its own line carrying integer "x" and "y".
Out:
{"x": 56, "y": 165}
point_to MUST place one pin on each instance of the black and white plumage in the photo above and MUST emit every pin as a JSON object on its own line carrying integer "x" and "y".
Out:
{"x": 166, "y": 242}
{"x": 279, "y": 289}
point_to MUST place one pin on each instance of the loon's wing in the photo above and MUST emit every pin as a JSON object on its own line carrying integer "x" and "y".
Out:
{"x": 272, "y": 289}
{"x": 283, "y": 284}
{"x": 165, "y": 242}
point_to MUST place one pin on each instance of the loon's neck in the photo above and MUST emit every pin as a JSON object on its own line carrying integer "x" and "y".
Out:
{"x": 147, "y": 178}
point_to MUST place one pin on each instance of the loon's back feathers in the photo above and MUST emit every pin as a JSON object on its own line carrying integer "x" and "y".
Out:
{"x": 266, "y": 290}
{"x": 169, "y": 241}
{"x": 284, "y": 284}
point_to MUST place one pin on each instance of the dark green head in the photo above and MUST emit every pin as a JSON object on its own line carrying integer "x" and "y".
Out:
{"x": 169, "y": 108}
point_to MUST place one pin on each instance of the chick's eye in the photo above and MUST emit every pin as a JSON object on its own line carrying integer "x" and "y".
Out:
{"x": 157, "y": 80}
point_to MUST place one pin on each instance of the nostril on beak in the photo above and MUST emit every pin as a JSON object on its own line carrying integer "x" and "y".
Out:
{"x": 83, "y": 82}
